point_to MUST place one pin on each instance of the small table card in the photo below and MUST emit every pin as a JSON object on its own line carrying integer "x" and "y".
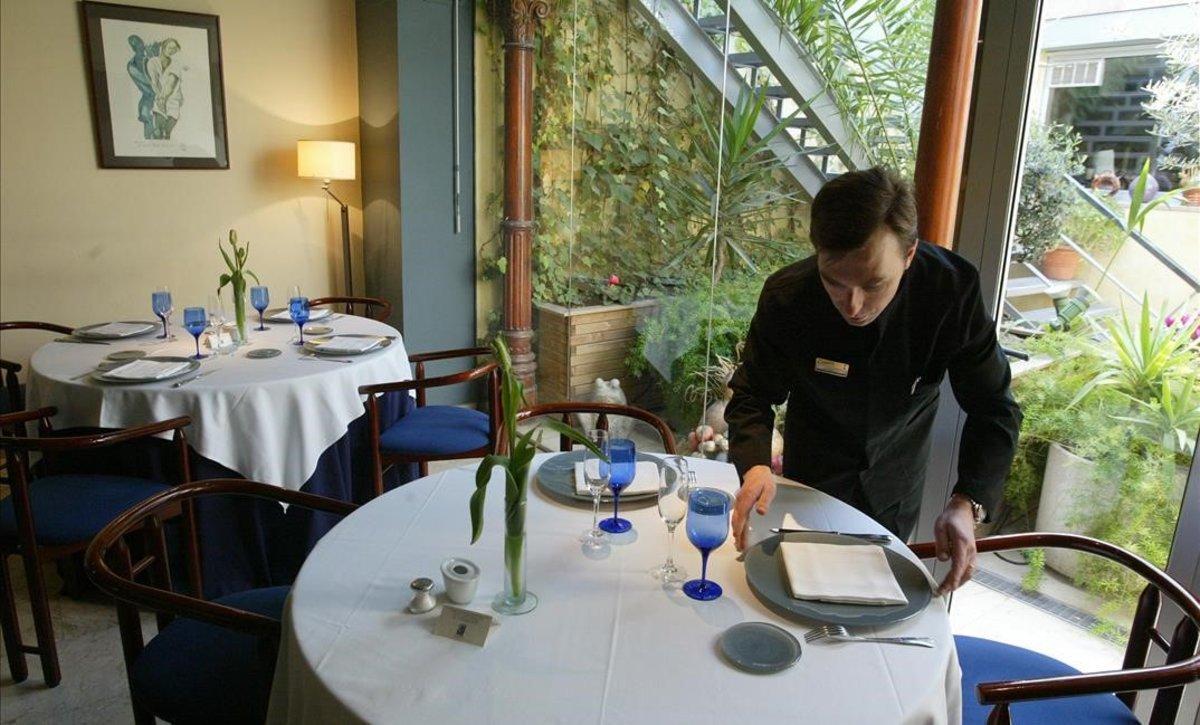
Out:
{"x": 463, "y": 625}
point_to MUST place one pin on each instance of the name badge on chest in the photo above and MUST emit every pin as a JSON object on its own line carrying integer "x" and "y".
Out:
{"x": 832, "y": 367}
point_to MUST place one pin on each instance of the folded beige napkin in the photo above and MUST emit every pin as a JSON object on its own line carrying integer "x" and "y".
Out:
{"x": 349, "y": 344}
{"x": 645, "y": 480}
{"x": 119, "y": 329}
{"x": 284, "y": 315}
{"x": 850, "y": 574}
{"x": 142, "y": 369}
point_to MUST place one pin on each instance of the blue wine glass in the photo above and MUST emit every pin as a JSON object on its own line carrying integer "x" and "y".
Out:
{"x": 195, "y": 320}
{"x": 623, "y": 456}
{"x": 160, "y": 302}
{"x": 707, "y": 528}
{"x": 298, "y": 309}
{"x": 259, "y": 299}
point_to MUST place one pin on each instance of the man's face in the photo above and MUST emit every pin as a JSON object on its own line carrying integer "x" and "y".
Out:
{"x": 863, "y": 281}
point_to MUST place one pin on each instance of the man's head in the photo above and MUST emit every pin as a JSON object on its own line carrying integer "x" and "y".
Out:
{"x": 864, "y": 228}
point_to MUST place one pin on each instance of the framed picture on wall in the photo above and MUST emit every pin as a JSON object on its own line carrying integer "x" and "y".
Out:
{"x": 158, "y": 94}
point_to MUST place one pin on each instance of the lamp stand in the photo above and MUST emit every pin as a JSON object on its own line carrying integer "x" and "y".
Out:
{"x": 346, "y": 261}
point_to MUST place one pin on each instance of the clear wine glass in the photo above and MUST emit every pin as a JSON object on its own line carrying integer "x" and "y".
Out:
{"x": 707, "y": 529}
{"x": 195, "y": 320}
{"x": 160, "y": 302}
{"x": 260, "y": 298}
{"x": 622, "y": 455}
{"x": 298, "y": 309}
{"x": 674, "y": 482}
{"x": 596, "y": 474}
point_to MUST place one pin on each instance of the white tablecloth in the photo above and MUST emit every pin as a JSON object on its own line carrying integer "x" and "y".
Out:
{"x": 606, "y": 643}
{"x": 269, "y": 419}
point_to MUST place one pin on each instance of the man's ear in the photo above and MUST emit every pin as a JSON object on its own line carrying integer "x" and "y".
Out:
{"x": 910, "y": 253}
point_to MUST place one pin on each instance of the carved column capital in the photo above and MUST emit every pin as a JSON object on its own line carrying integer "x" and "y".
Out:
{"x": 522, "y": 19}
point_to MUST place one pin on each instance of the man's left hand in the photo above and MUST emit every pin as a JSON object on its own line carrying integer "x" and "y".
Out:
{"x": 954, "y": 539}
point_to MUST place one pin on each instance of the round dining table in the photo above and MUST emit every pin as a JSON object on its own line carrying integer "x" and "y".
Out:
{"x": 607, "y": 643}
{"x": 267, "y": 419}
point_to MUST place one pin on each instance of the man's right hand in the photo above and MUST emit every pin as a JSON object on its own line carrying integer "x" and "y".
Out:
{"x": 757, "y": 492}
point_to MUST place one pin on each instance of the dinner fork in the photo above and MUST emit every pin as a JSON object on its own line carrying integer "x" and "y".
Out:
{"x": 838, "y": 633}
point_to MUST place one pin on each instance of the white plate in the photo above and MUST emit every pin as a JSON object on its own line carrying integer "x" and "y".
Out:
{"x": 316, "y": 349}
{"x": 193, "y": 366}
{"x": 88, "y": 332}
{"x": 281, "y": 315}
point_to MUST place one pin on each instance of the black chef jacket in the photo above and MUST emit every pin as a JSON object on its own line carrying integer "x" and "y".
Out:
{"x": 861, "y": 400}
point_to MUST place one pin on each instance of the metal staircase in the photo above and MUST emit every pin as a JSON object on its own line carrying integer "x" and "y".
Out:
{"x": 818, "y": 143}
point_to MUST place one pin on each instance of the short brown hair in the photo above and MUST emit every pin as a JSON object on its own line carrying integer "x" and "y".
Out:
{"x": 849, "y": 209}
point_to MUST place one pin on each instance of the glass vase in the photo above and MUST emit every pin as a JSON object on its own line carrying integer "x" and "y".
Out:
{"x": 516, "y": 598}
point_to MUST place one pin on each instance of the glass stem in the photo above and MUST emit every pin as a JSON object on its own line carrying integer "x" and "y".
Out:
{"x": 301, "y": 333}
{"x": 616, "y": 498}
{"x": 164, "y": 321}
{"x": 596, "y": 511}
{"x": 703, "y": 569}
{"x": 197, "y": 345}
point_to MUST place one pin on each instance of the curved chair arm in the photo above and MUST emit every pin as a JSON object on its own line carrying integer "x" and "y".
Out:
{"x": 10, "y": 367}
{"x": 438, "y": 382}
{"x": 93, "y": 440}
{"x": 160, "y": 600}
{"x": 33, "y": 325}
{"x": 603, "y": 410}
{"x": 25, "y": 416}
{"x": 385, "y": 307}
{"x": 1179, "y": 672}
{"x": 450, "y": 354}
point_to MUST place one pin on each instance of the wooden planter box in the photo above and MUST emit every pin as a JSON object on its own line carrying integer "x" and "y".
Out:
{"x": 579, "y": 344}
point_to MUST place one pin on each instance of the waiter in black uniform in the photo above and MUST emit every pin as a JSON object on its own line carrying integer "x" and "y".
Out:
{"x": 856, "y": 339}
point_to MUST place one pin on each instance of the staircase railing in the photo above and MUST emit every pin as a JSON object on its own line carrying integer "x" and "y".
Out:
{"x": 1155, "y": 251}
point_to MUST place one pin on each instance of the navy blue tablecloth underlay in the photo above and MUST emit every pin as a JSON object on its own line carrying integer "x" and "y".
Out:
{"x": 247, "y": 542}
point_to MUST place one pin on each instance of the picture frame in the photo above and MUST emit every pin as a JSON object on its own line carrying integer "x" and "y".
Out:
{"x": 158, "y": 87}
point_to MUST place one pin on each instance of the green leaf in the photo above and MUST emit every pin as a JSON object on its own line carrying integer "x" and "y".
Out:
{"x": 565, "y": 430}
{"x": 228, "y": 261}
{"x": 222, "y": 282}
{"x": 483, "y": 475}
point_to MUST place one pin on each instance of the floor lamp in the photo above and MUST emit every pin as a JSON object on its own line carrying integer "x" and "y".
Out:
{"x": 330, "y": 161}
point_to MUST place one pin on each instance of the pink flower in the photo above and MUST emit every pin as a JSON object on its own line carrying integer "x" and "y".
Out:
{"x": 1196, "y": 334}
{"x": 1169, "y": 321}
{"x": 1185, "y": 319}
{"x": 613, "y": 280}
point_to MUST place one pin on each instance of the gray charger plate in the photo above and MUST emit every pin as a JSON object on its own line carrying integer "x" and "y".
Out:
{"x": 193, "y": 366}
{"x": 768, "y": 581}
{"x": 86, "y": 333}
{"x": 385, "y": 343}
{"x": 557, "y": 478}
{"x": 280, "y": 316}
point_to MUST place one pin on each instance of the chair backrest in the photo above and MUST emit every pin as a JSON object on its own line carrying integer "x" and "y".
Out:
{"x": 1182, "y": 665}
{"x": 372, "y": 307}
{"x": 111, "y": 566}
{"x": 602, "y": 411}
{"x": 15, "y": 397}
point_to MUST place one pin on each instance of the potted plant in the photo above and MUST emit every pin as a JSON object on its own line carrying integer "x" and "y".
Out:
{"x": 237, "y": 278}
{"x": 1046, "y": 195}
{"x": 1175, "y": 107}
{"x": 514, "y": 457}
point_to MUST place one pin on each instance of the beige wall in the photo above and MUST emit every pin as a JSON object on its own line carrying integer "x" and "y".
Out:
{"x": 82, "y": 244}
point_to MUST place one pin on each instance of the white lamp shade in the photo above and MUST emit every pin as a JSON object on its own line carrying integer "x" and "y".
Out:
{"x": 332, "y": 160}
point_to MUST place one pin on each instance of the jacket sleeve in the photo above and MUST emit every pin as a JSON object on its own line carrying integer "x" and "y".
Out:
{"x": 980, "y": 378}
{"x": 761, "y": 381}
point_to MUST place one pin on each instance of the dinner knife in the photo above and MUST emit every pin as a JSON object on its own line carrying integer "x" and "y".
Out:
{"x": 873, "y": 538}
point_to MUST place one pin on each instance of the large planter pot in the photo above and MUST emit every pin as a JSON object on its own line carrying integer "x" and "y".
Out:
{"x": 1061, "y": 263}
{"x": 576, "y": 345}
{"x": 1072, "y": 499}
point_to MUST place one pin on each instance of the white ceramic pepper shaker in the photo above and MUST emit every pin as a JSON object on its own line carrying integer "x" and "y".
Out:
{"x": 422, "y": 600}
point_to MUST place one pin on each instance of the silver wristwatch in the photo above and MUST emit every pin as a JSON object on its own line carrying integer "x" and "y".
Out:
{"x": 977, "y": 509}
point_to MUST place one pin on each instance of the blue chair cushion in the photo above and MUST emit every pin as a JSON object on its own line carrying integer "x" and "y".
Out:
{"x": 436, "y": 430}
{"x": 72, "y": 508}
{"x": 196, "y": 672}
{"x": 983, "y": 660}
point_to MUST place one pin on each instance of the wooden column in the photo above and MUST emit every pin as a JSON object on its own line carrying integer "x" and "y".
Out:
{"x": 522, "y": 17}
{"x": 943, "y": 140}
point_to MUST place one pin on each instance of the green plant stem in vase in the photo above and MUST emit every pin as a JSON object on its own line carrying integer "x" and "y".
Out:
{"x": 237, "y": 278}
{"x": 514, "y": 457}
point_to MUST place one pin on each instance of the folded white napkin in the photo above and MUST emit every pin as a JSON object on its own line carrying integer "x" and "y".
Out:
{"x": 645, "y": 480}
{"x": 284, "y": 315}
{"x": 142, "y": 369}
{"x": 119, "y": 329}
{"x": 850, "y": 574}
{"x": 348, "y": 344}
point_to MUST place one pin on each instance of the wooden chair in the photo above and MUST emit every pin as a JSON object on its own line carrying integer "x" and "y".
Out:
{"x": 602, "y": 411}
{"x": 434, "y": 432}
{"x": 55, "y": 516}
{"x": 210, "y": 662}
{"x": 372, "y": 307}
{"x": 1019, "y": 683}
{"x": 14, "y": 396}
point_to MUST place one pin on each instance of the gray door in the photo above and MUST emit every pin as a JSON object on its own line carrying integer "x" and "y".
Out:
{"x": 417, "y": 115}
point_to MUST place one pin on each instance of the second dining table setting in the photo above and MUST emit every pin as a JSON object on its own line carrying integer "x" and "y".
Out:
{"x": 273, "y": 399}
